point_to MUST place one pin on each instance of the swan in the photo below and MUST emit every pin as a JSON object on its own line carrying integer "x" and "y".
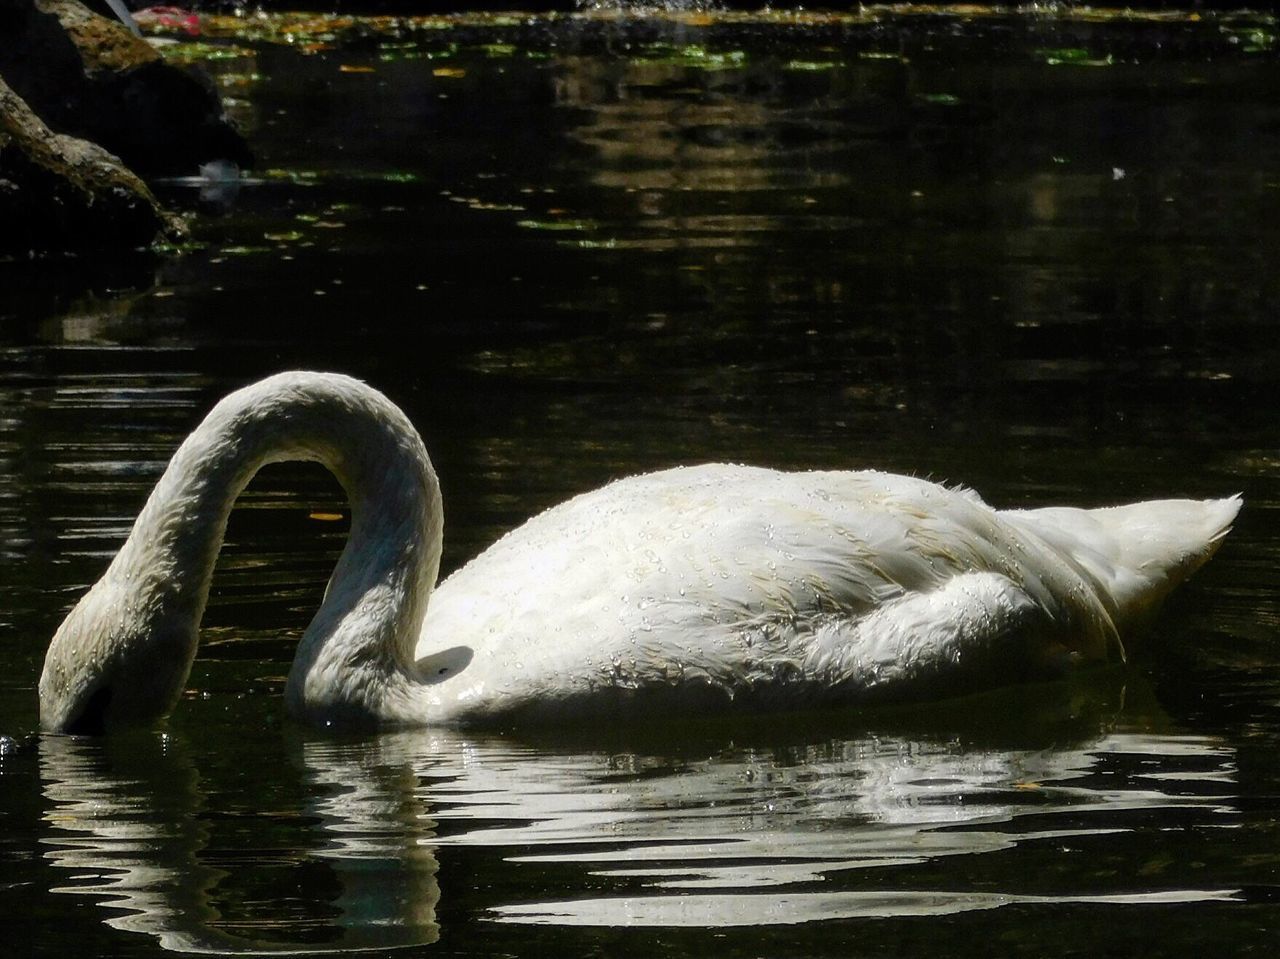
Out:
{"x": 692, "y": 589}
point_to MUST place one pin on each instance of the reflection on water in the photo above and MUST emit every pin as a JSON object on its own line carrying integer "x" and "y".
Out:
{"x": 715, "y": 833}
{"x": 130, "y": 822}
{"x": 766, "y": 830}
{"x": 733, "y": 910}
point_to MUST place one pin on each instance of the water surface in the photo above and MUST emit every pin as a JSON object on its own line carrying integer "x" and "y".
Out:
{"x": 1033, "y": 254}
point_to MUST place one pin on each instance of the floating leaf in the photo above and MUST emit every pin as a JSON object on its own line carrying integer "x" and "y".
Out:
{"x": 1063, "y": 54}
{"x": 449, "y": 73}
{"x": 695, "y": 56}
{"x": 557, "y": 225}
{"x": 1072, "y": 56}
{"x": 300, "y": 177}
{"x": 494, "y": 206}
{"x": 199, "y": 52}
{"x": 591, "y": 244}
{"x": 355, "y": 68}
{"x": 810, "y": 65}
{"x": 187, "y": 246}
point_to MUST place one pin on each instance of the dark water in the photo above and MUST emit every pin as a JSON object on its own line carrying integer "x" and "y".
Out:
{"x": 1032, "y": 254}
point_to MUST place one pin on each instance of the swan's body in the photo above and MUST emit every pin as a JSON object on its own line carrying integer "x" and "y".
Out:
{"x": 686, "y": 588}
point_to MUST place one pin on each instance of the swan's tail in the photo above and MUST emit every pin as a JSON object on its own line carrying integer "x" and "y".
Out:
{"x": 1141, "y": 552}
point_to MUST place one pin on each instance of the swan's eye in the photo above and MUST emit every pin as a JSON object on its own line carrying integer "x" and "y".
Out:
{"x": 92, "y": 720}
{"x": 442, "y": 670}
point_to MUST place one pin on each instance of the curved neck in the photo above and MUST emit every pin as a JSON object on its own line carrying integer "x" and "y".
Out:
{"x": 355, "y": 659}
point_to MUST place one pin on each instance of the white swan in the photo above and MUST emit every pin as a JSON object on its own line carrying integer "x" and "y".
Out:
{"x": 689, "y": 588}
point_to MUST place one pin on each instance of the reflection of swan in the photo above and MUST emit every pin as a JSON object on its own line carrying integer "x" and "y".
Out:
{"x": 130, "y": 816}
{"x": 691, "y": 587}
{"x": 774, "y": 828}
{"x": 875, "y": 826}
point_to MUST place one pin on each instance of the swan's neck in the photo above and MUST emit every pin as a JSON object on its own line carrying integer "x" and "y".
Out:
{"x": 355, "y": 659}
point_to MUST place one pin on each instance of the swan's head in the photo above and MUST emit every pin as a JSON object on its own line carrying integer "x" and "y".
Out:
{"x": 113, "y": 663}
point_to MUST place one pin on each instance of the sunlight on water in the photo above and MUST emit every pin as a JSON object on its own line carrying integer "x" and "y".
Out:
{"x": 758, "y": 821}
{"x": 737, "y": 836}
{"x": 788, "y": 909}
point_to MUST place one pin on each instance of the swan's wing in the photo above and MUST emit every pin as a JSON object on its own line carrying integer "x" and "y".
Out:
{"x": 976, "y": 625}
{"x": 818, "y": 584}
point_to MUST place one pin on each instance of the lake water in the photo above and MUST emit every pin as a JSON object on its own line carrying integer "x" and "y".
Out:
{"x": 1034, "y": 254}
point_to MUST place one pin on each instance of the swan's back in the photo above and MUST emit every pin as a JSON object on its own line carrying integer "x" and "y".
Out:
{"x": 740, "y": 582}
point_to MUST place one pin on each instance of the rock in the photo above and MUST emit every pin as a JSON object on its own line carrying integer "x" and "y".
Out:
{"x": 88, "y": 76}
{"x": 61, "y": 193}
